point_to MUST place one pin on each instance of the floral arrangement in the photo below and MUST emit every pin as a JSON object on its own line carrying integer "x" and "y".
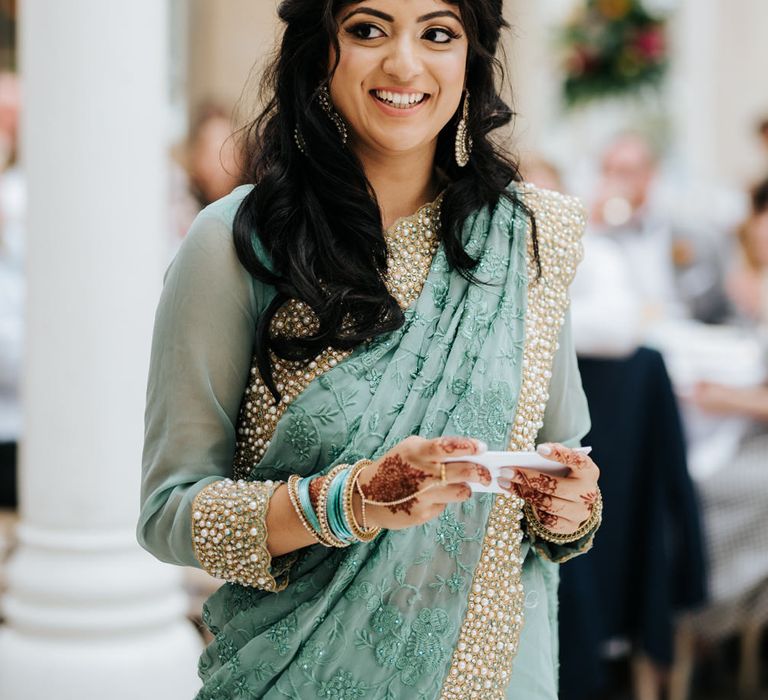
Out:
{"x": 612, "y": 47}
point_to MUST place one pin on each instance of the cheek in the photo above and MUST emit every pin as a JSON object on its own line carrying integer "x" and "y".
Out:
{"x": 349, "y": 76}
{"x": 452, "y": 89}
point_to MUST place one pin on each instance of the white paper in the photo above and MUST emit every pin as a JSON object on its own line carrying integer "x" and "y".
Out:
{"x": 495, "y": 461}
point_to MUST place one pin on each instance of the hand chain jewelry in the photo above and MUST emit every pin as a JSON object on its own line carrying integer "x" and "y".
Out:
{"x": 399, "y": 501}
{"x": 364, "y": 533}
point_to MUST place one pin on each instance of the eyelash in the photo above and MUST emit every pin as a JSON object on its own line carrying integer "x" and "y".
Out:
{"x": 355, "y": 31}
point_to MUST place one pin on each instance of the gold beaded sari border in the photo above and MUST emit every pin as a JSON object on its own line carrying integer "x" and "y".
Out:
{"x": 481, "y": 666}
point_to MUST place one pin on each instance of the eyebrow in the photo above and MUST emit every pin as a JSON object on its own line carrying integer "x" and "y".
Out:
{"x": 390, "y": 18}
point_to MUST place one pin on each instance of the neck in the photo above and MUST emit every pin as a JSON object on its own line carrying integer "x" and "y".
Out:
{"x": 402, "y": 182}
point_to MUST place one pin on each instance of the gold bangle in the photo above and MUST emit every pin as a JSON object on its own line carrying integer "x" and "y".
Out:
{"x": 534, "y": 524}
{"x": 293, "y": 495}
{"x": 361, "y": 533}
{"x": 322, "y": 513}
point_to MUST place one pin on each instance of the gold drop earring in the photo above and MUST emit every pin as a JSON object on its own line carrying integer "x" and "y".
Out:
{"x": 298, "y": 137}
{"x": 463, "y": 139}
{"x": 325, "y": 102}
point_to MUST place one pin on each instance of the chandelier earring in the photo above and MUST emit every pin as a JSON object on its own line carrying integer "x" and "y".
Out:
{"x": 463, "y": 138}
{"x": 298, "y": 137}
{"x": 325, "y": 102}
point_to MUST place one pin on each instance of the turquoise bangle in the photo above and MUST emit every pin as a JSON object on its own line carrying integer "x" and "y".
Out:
{"x": 335, "y": 508}
{"x": 339, "y": 502}
{"x": 306, "y": 504}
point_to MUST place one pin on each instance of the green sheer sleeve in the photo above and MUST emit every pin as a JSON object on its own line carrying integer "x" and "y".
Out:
{"x": 566, "y": 420}
{"x": 199, "y": 366}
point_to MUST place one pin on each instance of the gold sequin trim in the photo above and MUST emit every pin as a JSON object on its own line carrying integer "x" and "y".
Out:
{"x": 412, "y": 242}
{"x": 481, "y": 667}
{"x": 229, "y": 534}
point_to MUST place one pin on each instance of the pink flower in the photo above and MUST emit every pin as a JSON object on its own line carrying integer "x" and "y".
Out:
{"x": 651, "y": 43}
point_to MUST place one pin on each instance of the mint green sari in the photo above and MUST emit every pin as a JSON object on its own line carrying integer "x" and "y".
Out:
{"x": 464, "y": 606}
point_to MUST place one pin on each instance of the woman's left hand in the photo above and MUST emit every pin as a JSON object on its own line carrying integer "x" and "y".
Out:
{"x": 561, "y": 503}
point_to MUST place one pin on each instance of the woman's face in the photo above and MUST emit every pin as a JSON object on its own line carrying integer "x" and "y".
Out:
{"x": 401, "y": 72}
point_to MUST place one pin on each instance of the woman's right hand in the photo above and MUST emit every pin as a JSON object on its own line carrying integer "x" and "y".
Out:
{"x": 414, "y": 466}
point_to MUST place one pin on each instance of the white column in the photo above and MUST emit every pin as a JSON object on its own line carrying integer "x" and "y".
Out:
{"x": 89, "y": 613}
{"x": 693, "y": 88}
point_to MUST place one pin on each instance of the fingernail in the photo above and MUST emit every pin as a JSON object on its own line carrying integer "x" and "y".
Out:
{"x": 481, "y": 446}
{"x": 504, "y": 483}
{"x": 508, "y": 473}
{"x": 544, "y": 450}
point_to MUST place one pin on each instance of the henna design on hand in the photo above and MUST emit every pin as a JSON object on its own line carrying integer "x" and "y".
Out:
{"x": 485, "y": 474}
{"x": 538, "y": 491}
{"x": 590, "y": 499}
{"x": 394, "y": 480}
{"x": 574, "y": 460}
{"x": 449, "y": 445}
{"x": 548, "y": 520}
{"x": 535, "y": 498}
{"x": 544, "y": 483}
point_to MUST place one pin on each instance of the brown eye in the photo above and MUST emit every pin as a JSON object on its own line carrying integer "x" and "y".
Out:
{"x": 365, "y": 31}
{"x": 440, "y": 35}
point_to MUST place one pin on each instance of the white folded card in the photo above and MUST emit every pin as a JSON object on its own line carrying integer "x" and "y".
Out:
{"x": 495, "y": 461}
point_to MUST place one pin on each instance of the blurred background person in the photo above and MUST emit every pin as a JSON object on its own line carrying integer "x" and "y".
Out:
{"x": 12, "y": 197}
{"x": 606, "y": 309}
{"x": 204, "y": 168}
{"x": 762, "y": 132}
{"x": 747, "y": 281}
{"x": 674, "y": 271}
{"x": 211, "y": 157}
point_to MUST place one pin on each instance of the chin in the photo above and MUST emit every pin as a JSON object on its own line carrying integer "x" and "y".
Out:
{"x": 392, "y": 142}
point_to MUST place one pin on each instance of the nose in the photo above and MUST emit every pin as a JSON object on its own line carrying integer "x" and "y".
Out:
{"x": 402, "y": 62}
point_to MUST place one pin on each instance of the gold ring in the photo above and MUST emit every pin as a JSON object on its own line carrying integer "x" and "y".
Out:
{"x": 442, "y": 472}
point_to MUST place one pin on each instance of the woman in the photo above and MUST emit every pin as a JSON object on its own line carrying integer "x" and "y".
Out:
{"x": 375, "y": 289}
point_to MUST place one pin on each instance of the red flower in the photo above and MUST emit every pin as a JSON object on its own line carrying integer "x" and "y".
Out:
{"x": 651, "y": 43}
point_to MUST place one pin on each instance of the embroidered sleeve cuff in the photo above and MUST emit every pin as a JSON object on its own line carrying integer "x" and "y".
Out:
{"x": 560, "y": 553}
{"x": 229, "y": 534}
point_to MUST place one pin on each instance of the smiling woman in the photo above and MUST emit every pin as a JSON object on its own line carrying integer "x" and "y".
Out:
{"x": 381, "y": 293}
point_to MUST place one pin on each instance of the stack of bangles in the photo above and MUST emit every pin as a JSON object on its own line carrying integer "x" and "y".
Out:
{"x": 333, "y": 523}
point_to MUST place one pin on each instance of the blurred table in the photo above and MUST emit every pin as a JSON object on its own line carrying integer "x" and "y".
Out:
{"x": 648, "y": 560}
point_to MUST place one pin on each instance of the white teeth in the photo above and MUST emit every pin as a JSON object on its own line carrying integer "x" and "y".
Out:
{"x": 399, "y": 99}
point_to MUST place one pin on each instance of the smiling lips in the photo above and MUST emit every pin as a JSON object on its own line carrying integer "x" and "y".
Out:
{"x": 400, "y": 100}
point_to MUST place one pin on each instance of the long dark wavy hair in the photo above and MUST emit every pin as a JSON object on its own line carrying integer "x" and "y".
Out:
{"x": 316, "y": 215}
